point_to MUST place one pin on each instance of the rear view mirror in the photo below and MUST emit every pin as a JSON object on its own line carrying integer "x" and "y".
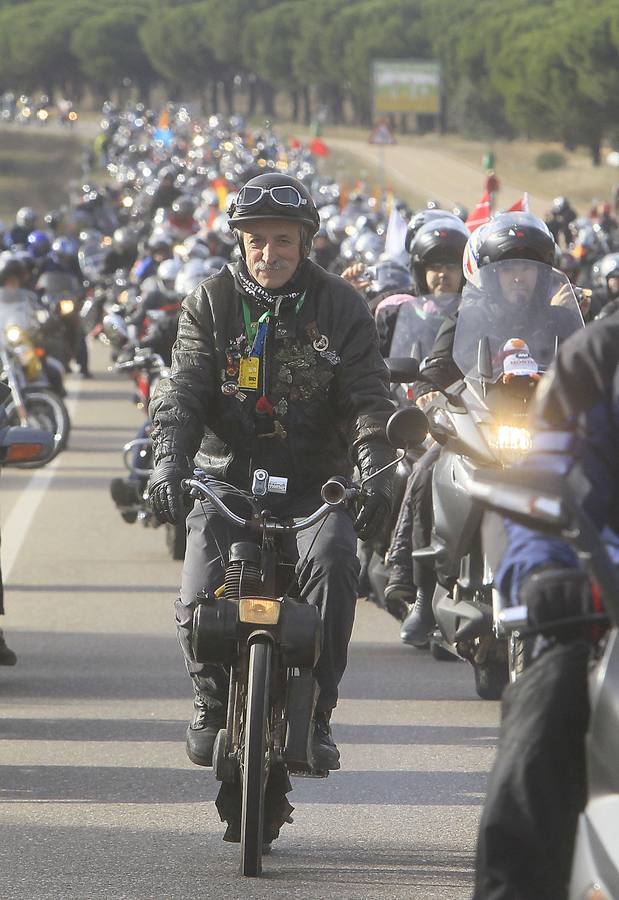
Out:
{"x": 407, "y": 428}
{"x": 402, "y": 368}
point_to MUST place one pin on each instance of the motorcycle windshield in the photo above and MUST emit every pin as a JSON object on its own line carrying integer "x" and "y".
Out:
{"x": 524, "y": 309}
{"x": 418, "y": 322}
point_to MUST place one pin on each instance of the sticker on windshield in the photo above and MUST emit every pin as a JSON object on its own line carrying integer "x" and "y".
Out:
{"x": 517, "y": 359}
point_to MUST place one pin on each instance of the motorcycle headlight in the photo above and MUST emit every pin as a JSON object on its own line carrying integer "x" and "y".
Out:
{"x": 14, "y": 334}
{"x": 510, "y": 442}
{"x": 127, "y": 202}
{"x": 66, "y": 307}
{"x": 259, "y": 610}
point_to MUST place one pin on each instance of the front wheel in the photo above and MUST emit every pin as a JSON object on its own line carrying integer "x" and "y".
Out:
{"x": 255, "y": 757}
{"x": 491, "y": 679}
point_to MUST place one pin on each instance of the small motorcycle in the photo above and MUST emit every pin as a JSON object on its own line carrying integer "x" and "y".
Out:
{"x": 270, "y": 641}
{"x": 543, "y": 501}
{"x": 130, "y": 494}
{"x": 33, "y": 402}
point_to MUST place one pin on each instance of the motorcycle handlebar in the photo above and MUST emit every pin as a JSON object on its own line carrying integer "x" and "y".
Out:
{"x": 202, "y": 490}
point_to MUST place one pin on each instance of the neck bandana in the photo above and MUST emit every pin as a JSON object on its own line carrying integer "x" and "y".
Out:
{"x": 288, "y": 293}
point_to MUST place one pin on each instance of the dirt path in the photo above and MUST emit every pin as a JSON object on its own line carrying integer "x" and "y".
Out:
{"x": 433, "y": 174}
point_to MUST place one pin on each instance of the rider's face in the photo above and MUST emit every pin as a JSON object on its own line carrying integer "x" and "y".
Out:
{"x": 272, "y": 251}
{"x": 517, "y": 278}
{"x": 444, "y": 278}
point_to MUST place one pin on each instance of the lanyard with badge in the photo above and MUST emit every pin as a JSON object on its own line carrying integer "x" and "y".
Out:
{"x": 249, "y": 366}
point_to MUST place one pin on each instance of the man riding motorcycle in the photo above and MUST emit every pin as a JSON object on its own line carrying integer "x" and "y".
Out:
{"x": 537, "y": 785}
{"x": 276, "y": 366}
{"x": 436, "y": 262}
{"x": 509, "y": 236}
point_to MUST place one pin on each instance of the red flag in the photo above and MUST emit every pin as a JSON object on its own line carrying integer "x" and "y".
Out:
{"x": 481, "y": 214}
{"x": 318, "y": 147}
{"x": 521, "y": 205}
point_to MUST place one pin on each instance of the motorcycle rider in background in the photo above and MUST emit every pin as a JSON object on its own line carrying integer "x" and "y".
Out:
{"x": 537, "y": 786}
{"x": 436, "y": 262}
{"x": 517, "y": 236}
{"x": 17, "y": 307}
{"x": 25, "y": 222}
{"x": 558, "y": 220}
{"x": 276, "y": 366}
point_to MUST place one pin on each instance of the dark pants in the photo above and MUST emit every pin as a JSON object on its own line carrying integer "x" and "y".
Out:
{"x": 327, "y": 571}
{"x": 537, "y": 786}
{"x": 414, "y": 526}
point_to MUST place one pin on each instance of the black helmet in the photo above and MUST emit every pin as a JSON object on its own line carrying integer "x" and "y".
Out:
{"x": 274, "y": 195}
{"x": 560, "y": 205}
{"x": 183, "y": 205}
{"x": 441, "y": 240}
{"x": 125, "y": 240}
{"x": 26, "y": 217}
{"x": 10, "y": 267}
{"x": 418, "y": 220}
{"x": 516, "y": 235}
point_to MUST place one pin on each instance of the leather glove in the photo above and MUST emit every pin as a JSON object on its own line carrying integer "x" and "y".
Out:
{"x": 164, "y": 488}
{"x": 552, "y": 594}
{"x": 376, "y": 499}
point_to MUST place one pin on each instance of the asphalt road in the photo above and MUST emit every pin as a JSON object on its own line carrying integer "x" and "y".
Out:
{"x": 97, "y": 797}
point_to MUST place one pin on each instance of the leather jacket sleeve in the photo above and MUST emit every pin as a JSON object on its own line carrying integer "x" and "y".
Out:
{"x": 179, "y": 408}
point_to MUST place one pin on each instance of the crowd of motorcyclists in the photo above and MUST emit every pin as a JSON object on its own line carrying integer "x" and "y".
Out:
{"x": 117, "y": 261}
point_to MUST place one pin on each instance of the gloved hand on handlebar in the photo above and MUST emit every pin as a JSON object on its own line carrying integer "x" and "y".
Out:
{"x": 376, "y": 499}
{"x": 164, "y": 488}
{"x": 554, "y": 593}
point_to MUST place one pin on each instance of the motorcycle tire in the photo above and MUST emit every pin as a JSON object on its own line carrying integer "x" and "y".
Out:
{"x": 254, "y": 769}
{"x": 491, "y": 679}
{"x": 176, "y": 539}
{"x": 47, "y": 411}
{"x": 519, "y": 655}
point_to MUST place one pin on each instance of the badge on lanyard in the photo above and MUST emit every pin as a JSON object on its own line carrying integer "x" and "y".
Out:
{"x": 249, "y": 372}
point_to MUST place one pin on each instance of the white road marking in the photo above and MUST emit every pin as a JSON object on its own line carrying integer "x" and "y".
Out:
{"x": 15, "y": 529}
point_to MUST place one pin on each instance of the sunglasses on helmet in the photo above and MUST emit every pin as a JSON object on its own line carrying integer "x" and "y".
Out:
{"x": 283, "y": 195}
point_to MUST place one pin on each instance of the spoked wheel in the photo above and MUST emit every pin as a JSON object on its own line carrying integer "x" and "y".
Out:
{"x": 46, "y": 411}
{"x": 255, "y": 762}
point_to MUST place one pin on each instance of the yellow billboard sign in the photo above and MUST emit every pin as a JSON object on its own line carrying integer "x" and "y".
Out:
{"x": 406, "y": 86}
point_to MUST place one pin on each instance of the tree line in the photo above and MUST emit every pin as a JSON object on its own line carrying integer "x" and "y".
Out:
{"x": 542, "y": 68}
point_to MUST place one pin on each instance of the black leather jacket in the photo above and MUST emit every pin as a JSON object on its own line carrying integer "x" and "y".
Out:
{"x": 330, "y": 407}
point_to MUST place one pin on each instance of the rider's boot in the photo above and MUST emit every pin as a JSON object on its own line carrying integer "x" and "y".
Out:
{"x": 208, "y": 720}
{"x": 7, "y": 656}
{"x": 325, "y": 754}
{"x": 420, "y": 620}
{"x": 399, "y": 591}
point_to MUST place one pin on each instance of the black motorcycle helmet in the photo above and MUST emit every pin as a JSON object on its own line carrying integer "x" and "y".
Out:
{"x": 274, "y": 195}
{"x": 516, "y": 235}
{"x": 418, "y": 220}
{"x": 11, "y": 267}
{"x": 441, "y": 240}
{"x": 125, "y": 241}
